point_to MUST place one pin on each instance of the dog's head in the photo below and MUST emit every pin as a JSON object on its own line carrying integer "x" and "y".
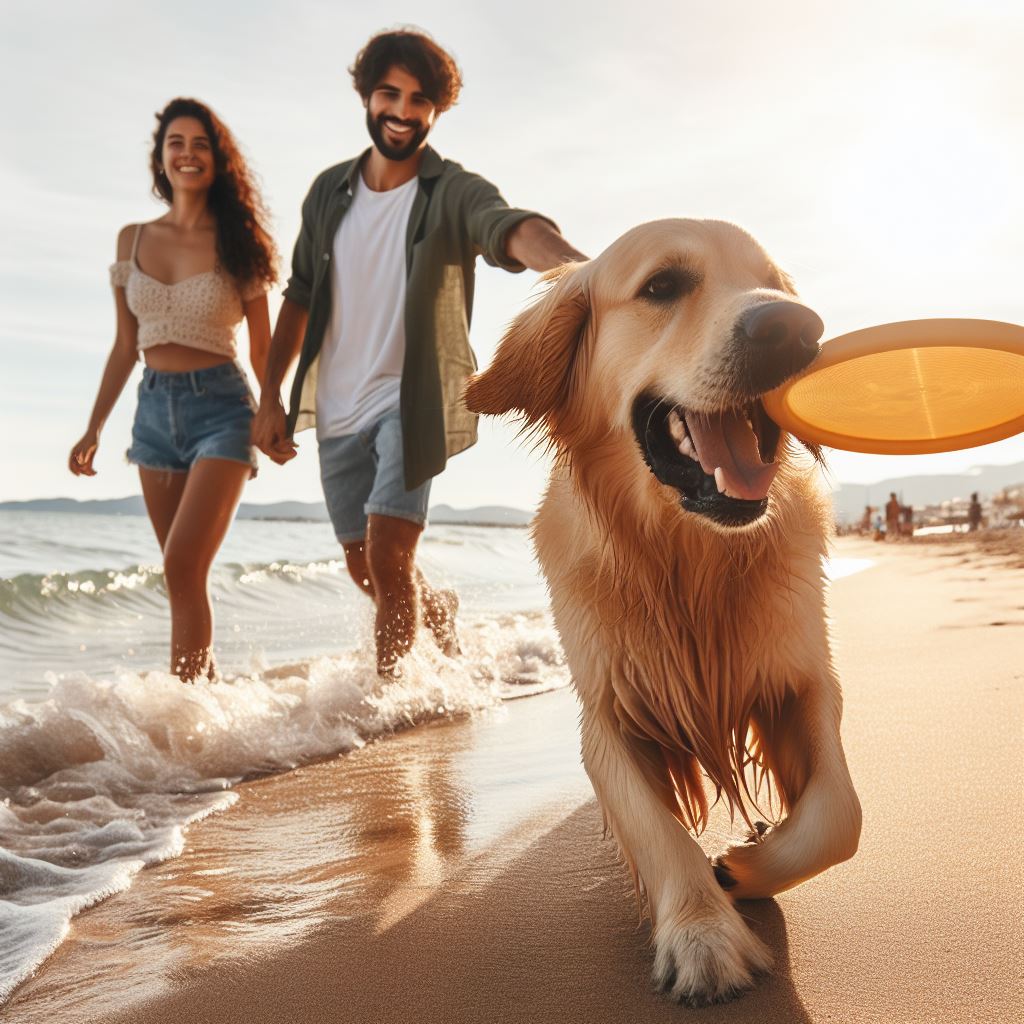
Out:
{"x": 665, "y": 342}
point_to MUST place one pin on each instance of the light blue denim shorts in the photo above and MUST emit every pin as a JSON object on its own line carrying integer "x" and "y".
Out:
{"x": 364, "y": 474}
{"x": 184, "y": 417}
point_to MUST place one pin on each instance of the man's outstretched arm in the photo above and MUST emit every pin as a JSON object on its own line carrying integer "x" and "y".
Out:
{"x": 269, "y": 425}
{"x": 538, "y": 244}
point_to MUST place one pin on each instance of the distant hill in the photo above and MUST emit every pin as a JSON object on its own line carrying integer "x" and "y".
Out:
{"x": 132, "y": 506}
{"x": 313, "y": 511}
{"x": 485, "y": 515}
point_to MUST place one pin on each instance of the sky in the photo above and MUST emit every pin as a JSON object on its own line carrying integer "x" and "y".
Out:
{"x": 874, "y": 149}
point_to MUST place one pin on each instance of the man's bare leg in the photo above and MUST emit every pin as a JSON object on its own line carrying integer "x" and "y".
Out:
{"x": 399, "y": 590}
{"x": 439, "y": 607}
{"x": 355, "y": 560}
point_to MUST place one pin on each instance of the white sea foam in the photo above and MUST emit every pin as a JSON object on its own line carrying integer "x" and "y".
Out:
{"x": 101, "y": 778}
{"x": 837, "y": 568}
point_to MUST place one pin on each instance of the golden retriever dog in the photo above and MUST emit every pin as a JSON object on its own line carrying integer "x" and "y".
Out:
{"x": 682, "y": 535}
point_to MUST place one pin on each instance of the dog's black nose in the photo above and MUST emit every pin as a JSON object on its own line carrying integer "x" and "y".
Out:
{"x": 778, "y": 339}
{"x": 782, "y": 325}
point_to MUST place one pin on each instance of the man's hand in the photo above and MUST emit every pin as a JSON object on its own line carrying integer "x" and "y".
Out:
{"x": 268, "y": 431}
{"x": 270, "y": 424}
{"x": 537, "y": 244}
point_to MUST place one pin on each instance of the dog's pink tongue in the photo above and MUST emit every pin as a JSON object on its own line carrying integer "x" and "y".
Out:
{"x": 725, "y": 440}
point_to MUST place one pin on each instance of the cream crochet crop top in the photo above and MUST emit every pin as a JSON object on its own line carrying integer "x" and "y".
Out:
{"x": 201, "y": 311}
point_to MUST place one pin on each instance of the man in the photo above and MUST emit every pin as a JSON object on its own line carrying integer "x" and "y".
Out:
{"x": 379, "y": 302}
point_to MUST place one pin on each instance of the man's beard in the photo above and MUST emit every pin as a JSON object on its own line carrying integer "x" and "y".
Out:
{"x": 375, "y": 126}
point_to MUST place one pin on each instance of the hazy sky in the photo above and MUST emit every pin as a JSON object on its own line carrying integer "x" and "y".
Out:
{"x": 874, "y": 148}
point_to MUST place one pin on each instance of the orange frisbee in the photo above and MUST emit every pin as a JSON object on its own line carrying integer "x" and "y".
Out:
{"x": 909, "y": 388}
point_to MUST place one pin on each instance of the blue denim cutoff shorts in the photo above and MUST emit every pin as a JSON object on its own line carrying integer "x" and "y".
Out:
{"x": 364, "y": 474}
{"x": 184, "y": 417}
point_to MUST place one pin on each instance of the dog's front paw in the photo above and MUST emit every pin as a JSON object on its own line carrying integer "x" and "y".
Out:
{"x": 734, "y": 867}
{"x": 711, "y": 960}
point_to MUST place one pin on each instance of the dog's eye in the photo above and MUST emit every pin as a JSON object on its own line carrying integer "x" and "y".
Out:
{"x": 668, "y": 285}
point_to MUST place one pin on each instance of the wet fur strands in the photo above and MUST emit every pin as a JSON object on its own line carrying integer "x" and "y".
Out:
{"x": 681, "y": 534}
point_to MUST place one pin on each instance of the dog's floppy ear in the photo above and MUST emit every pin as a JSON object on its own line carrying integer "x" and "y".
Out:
{"x": 531, "y": 370}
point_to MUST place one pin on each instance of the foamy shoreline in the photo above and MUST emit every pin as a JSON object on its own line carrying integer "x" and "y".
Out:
{"x": 103, "y": 778}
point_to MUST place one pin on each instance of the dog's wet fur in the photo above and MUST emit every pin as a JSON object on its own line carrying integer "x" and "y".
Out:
{"x": 693, "y": 619}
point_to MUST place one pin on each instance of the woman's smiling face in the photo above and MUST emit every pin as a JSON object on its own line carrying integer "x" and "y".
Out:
{"x": 187, "y": 155}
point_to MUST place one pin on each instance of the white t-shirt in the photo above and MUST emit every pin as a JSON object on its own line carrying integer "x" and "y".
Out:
{"x": 360, "y": 372}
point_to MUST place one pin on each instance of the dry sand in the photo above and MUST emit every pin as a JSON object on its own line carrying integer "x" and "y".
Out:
{"x": 457, "y": 873}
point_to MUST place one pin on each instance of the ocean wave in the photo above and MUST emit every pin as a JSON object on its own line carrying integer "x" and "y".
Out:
{"x": 34, "y": 589}
{"x": 102, "y": 777}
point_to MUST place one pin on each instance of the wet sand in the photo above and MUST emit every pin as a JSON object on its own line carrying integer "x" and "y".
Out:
{"x": 457, "y": 872}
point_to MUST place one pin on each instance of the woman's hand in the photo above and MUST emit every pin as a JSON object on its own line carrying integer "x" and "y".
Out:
{"x": 80, "y": 459}
{"x": 268, "y": 431}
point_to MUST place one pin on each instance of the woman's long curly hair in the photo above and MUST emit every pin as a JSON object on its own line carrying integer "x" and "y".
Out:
{"x": 245, "y": 248}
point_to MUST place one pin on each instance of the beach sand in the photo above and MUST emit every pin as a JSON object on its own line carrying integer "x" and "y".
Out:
{"x": 457, "y": 872}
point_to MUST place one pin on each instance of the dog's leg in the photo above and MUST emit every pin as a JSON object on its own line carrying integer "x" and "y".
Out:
{"x": 704, "y": 953}
{"x": 803, "y": 749}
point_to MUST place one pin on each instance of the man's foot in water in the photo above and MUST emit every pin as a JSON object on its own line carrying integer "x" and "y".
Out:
{"x": 440, "y": 608}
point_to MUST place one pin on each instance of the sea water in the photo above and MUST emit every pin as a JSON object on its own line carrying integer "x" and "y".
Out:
{"x": 105, "y": 758}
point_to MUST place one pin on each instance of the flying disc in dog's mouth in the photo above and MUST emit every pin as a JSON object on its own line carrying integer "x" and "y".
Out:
{"x": 722, "y": 464}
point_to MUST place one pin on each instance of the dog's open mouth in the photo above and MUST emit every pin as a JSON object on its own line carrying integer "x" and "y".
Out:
{"x": 722, "y": 464}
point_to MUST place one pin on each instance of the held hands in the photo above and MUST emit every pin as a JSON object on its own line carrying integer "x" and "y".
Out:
{"x": 268, "y": 432}
{"x": 80, "y": 459}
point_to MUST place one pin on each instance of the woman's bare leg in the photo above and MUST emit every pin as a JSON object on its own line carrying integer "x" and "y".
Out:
{"x": 198, "y": 525}
{"x": 162, "y": 490}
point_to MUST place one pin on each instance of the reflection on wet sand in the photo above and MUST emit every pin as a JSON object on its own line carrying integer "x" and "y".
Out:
{"x": 367, "y": 838}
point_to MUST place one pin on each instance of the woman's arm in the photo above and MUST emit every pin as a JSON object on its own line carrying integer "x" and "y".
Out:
{"x": 120, "y": 363}
{"x": 257, "y": 317}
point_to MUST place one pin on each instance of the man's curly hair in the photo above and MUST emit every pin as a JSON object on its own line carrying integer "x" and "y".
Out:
{"x": 417, "y": 53}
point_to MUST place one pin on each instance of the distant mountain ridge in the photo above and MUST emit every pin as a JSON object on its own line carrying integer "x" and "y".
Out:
{"x": 848, "y": 500}
{"x": 485, "y": 515}
{"x": 313, "y": 511}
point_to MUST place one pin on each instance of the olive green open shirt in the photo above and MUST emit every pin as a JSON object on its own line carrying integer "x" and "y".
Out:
{"x": 455, "y": 216}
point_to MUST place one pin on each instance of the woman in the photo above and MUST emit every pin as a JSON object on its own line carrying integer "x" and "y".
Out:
{"x": 182, "y": 284}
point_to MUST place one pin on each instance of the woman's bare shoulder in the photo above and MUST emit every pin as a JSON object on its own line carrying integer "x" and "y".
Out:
{"x": 126, "y": 236}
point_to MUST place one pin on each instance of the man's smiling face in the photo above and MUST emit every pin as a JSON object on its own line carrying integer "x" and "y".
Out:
{"x": 398, "y": 114}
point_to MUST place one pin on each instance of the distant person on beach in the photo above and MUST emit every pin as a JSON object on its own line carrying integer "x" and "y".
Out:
{"x": 907, "y": 521}
{"x": 864, "y": 527}
{"x": 892, "y": 517}
{"x": 182, "y": 284}
{"x": 974, "y": 513}
{"x": 379, "y": 303}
